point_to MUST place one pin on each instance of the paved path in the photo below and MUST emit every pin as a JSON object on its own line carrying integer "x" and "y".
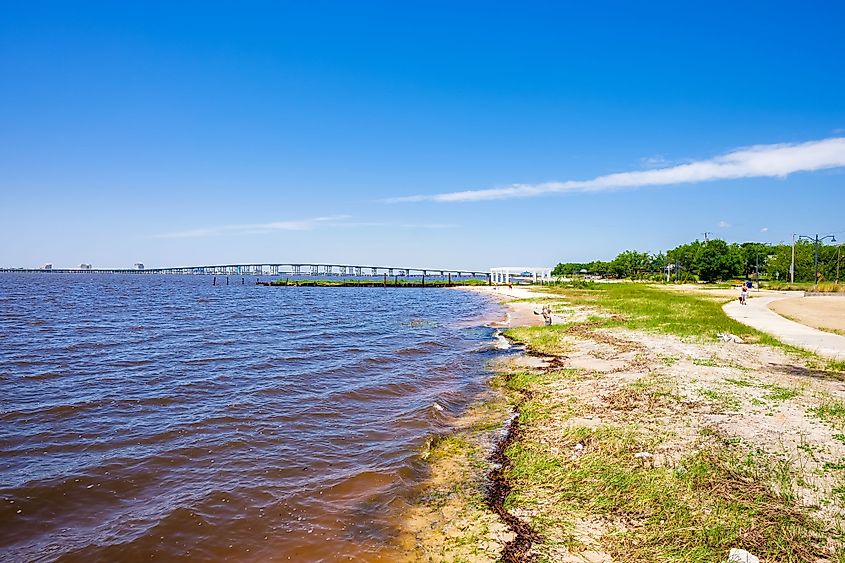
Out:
{"x": 758, "y": 315}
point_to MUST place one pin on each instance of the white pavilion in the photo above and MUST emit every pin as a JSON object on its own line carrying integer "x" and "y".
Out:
{"x": 519, "y": 273}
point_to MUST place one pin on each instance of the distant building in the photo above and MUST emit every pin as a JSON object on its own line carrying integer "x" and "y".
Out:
{"x": 85, "y": 266}
{"x": 138, "y": 266}
{"x": 519, "y": 274}
{"x": 47, "y": 267}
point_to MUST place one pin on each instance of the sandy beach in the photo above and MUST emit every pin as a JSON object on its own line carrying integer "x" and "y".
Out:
{"x": 600, "y": 425}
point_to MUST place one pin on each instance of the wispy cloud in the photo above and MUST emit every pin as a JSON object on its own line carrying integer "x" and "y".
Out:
{"x": 759, "y": 161}
{"x": 764, "y": 230}
{"x": 724, "y": 225}
{"x": 334, "y": 221}
{"x": 297, "y": 225}
{"x": 657, "y": 161}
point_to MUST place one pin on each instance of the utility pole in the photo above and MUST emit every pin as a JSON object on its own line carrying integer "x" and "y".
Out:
{"x": 705, "y": 233}
{"x": 838, "y": 251}
{"x": 757, "y": 267}
{"x": 792, "y": 264}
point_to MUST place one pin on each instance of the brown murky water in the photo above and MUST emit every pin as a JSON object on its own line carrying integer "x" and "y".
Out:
{"x": 162, "y": 418}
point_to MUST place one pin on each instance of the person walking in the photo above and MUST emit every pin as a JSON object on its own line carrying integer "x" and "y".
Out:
{"x": 743, "y": 295}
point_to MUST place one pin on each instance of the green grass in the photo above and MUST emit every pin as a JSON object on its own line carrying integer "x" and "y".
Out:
{"x": 779, "y": 393}
{"x": 741, "y": 382}
{"x": 541, "y": 339}
{"x": 832, "y": 412}
{"x": 645, "y": 307}
{"x": 716, "y": 498}
{"x": 724, "y": 400}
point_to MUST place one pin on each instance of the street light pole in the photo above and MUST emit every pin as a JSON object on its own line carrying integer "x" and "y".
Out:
{"x": 792, "y": 264}
{"x": 817, "y": 240}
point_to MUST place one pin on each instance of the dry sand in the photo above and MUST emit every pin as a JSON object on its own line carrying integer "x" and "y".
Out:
{"x": 824, "y": 313}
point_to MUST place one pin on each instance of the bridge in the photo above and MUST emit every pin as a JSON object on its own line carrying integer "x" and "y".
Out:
{"x": 269, "y": 269}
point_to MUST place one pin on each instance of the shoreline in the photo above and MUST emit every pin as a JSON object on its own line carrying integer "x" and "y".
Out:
{"x": 480, "y": 439}
{"x": 590, "y": 392}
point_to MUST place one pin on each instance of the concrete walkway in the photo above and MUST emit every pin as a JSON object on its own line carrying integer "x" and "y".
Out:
{"x": 758, "y": 315}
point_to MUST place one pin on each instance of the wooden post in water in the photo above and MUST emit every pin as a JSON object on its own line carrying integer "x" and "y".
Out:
{"x": 450, "y": 279}
{"x": 214, "y": 281}
{"x": 243, "y": 281}
{"x": 396, "y": 280}
{"x": 423, "y": 279}
{"x": 227, "y": 280}
{"x": 385, "y": 279}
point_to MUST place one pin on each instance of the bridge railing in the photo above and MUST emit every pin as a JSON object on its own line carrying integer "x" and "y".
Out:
{"x": 272, "y": 269}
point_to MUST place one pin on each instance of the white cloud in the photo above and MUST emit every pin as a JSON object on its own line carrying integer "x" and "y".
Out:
{"x": 759, "y": 161}
{"x": 298, "y": 225}
{"x": 764, "y": 230}
{"x": 335, "y": 221}
{"x": 724, "y": 224}
{"x": 658, "y": 161}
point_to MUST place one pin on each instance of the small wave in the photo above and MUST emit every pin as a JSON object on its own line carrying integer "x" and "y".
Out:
{"x": 43, "y": 375}
{"x": 131, "y": 363}
{"x": 379, "y": 360}
{"x": 411, "y": 351}
{"x": 204, "y": 361}
{"x": 82, "y": 346}
{"x": 56, "y": 411}
{"x": 152, "y": 401}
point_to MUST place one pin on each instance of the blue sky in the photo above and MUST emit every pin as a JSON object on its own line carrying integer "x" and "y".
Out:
{"x": 217, "y": 132}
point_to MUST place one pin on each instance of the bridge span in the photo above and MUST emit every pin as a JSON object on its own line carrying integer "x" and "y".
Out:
{"x": 270, "y": 269}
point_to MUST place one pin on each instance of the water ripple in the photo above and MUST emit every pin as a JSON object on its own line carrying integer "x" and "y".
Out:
{"x": 155, "y": 417}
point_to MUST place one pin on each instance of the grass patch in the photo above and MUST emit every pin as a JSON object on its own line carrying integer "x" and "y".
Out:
{"x": 832, "y": 412}
{"x": 724, "y": 400}
{"x": 740, "y": 382}
{"x": 644, "y": 307}
{"x": 716, "y": 498}
{"x": 779, "y": 393}
{"x": 548, "y": 340}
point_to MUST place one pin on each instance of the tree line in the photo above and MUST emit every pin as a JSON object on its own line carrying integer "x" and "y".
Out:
{"x": 717, "y": 260}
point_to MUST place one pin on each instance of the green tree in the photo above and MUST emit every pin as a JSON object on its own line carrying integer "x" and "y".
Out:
{"x": 682, "y": 258}
{"x": 630, "y": 264}
{"x": 717, "y": 260}
{"x": 755, "y": 254}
